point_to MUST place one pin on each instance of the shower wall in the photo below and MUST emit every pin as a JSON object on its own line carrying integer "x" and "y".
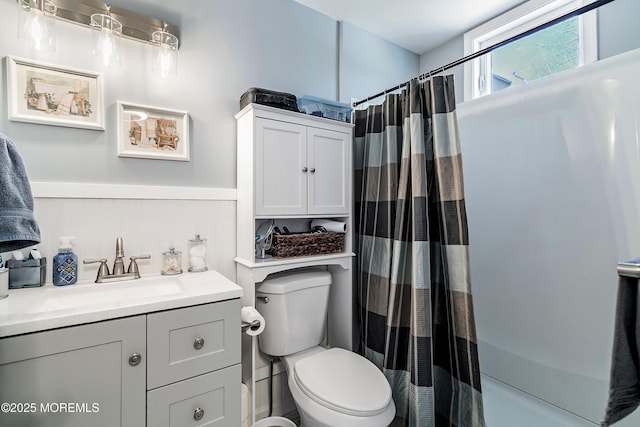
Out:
{"x": 552, "y": 176}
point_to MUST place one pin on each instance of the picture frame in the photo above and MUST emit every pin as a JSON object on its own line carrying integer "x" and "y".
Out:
{"x": 49, "y": 94}
{"x": 152, "y": 133}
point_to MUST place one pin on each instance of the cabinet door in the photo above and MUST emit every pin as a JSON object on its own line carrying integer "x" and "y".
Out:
{"x": 328, "y": 171}
{"x": 280, "y": 163}
{"x": 211, "y": 399}
{"x": 75, "y": 377}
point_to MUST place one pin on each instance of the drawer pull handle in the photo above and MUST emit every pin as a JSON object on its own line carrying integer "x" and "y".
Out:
{"x": 198, "y": 343}
{"x": 312, "y": 170}
{"x": 135, "y": 359}
{"x": 198, "y": 414}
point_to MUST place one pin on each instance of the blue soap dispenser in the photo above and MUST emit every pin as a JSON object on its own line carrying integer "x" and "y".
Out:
{"x": 65, "y": 263}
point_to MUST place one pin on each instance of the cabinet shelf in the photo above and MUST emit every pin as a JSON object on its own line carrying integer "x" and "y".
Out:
{"x": 306, "y": 216}
{"x": 306, "y": 260}
{"x": 261, "y": 269}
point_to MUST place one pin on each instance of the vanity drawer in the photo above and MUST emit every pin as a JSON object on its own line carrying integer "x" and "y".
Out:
{"x": 191, "y": 341}
{"x": 210, "y": 399}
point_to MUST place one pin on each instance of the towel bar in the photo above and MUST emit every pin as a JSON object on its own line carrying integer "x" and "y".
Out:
{"x": 629, "y": 269}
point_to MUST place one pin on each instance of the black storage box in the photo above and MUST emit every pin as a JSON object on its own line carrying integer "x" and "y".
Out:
{"x": 27, "y": 273}
{"x": 285, "y": 101}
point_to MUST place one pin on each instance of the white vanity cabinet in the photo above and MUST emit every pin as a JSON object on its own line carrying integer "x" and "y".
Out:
{"x": 101, "y": 364}
{"x": 178, "y": 367}
{"x": 193, "y": 366}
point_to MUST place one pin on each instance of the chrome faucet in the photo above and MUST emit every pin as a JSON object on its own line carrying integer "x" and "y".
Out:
{"x": 118, "y": 264}
{"x": 118, "y": 273}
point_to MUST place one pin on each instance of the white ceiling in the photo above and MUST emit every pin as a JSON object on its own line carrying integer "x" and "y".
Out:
{"x": 417, "y": 25}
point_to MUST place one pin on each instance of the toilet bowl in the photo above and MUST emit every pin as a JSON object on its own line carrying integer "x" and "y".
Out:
{"x": 335, "y": 387}
{"x": 331, "y": 387}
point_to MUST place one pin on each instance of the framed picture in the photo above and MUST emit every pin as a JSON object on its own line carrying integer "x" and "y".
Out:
{"x": 152, "y": 133}
{"x": 51, "y": 95}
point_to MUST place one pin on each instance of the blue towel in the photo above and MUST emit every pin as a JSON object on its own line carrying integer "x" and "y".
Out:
{"x": 18, "y": 226}
{"x": 624, "y": 386}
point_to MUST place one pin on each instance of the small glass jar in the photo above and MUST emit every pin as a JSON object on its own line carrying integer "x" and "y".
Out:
{"x": 171, "y": 262}
{"x": 197, "y": 254}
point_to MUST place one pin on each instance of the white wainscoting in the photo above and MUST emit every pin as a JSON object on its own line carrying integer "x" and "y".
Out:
{"x": 149, "y": 219}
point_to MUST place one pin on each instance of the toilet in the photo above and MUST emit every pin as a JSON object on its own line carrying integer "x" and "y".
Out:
{"x": 331, "y": 387}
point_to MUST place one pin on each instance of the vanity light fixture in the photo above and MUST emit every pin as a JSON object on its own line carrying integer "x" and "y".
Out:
{"x": 106, "y": 38}
{"x": 165, "y": 52}
{"x": 108, "y": 29}
{"x": 36, "y": 23}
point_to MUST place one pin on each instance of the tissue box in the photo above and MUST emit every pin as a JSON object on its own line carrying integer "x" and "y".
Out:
{"x": 27, "y": 273}
{"x": 325, "y": 108}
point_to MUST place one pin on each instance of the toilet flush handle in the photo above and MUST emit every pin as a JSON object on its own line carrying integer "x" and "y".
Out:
{"x": 263, "y": 299}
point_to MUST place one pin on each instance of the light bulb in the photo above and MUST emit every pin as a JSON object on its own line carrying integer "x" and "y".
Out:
{"x": 105, "y": 48}
{"x": 165, "y": 60}
{"x": 37, "y": 25}
{"x": 35, "y": 29}
{"x": 165, "y": 53}
{"x": 106, "y": 37}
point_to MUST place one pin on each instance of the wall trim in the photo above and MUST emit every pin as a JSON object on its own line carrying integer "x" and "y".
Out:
{"x": 74, "y": 190}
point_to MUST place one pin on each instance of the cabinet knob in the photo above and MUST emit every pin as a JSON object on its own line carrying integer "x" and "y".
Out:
{"x": 135, "y": 359}
{"x": 305, "y": 169}
{"x": 198, "y": 343}
{"x": 312, "y": 170}
{"x": 198, "y": 414}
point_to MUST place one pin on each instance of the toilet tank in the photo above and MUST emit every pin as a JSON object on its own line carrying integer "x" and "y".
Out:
{"x": 296, "y": 314}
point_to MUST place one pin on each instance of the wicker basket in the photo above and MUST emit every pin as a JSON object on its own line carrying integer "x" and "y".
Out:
{"x": 306, "y": 244}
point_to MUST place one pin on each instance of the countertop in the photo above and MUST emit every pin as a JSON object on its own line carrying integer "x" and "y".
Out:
{"x": 49, "y": 307}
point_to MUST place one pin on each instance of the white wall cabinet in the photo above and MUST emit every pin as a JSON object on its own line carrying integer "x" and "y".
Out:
{"x": 177, "y": 367}
{"x": 293, "y": 168}
{"x": 300, "y": 169}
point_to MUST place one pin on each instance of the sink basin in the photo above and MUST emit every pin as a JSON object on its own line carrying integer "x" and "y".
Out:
{"x": 123, "y": 294}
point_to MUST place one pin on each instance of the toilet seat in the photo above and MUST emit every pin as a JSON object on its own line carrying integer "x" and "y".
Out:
{"x": 344, "y": 382}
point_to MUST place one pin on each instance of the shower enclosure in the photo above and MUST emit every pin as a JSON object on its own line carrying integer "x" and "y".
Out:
{"x": 552, "y": 177}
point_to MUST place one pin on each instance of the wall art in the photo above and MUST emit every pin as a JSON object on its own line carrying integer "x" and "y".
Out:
{"x": 152, "y": 133}
{"x": 53, "y": 95}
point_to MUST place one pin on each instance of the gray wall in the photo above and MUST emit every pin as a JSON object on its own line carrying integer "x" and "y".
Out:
{"x": 225, "y": 47}
{"x": 618, "y": 29}
{"x": 373, "y": 64}
{"x": 617, "y": 32}
{"x": 445, "y": 54}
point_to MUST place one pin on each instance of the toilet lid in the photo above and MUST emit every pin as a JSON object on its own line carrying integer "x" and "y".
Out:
{"x": 343, "y": 381}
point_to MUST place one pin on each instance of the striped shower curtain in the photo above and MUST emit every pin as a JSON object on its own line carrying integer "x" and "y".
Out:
{"x": 415, "y": 305}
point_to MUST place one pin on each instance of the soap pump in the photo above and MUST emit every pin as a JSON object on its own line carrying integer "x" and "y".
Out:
{"x": 65, "y": 263}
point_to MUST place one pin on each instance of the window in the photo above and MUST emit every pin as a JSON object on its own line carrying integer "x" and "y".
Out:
{"x": 561, "y": 47}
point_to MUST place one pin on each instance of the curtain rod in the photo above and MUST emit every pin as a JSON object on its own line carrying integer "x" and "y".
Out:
{"x": 576, "y": 12}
